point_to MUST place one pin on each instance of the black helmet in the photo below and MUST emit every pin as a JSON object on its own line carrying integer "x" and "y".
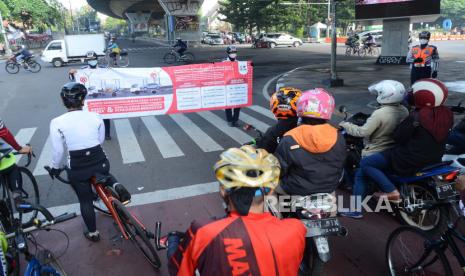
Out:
{"x": 424, "y": 35}
{"x": 73, "y": 94}
{"x": 231, "y": 49}
{"x": 91, "y": 55}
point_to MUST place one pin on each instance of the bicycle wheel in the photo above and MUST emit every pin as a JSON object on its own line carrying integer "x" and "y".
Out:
{"x": 169, "y": 58}
{"x": 362, "y": 52}
{"x": 34, "y": 67}
{"x": 123, "y": 61}
{"x": 12, "y": 68}
{"x": 103, "y": 62}
{"x": 410, "y": 251}
{"x": 30, "y": 193}
{"x": 348, "y": 51}
{"x": 374, "y": 51}
{"x": 137, "y": 234}
{"x": 188, "y": 57}
{"x": 50, "y": 265}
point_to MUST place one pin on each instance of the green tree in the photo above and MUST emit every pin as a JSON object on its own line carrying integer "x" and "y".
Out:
{"x": 4, "y": 10}
{"x": 114, "y": 25}
{"x": 33, "y": 13}
{"x": 87, "y": 17}
{"x": 454, "y": 10}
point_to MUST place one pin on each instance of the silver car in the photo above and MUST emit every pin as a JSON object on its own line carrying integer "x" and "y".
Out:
{"x": 278, "y": 39}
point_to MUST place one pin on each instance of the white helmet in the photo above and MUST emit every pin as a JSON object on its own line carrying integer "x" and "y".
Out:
{"x": 388, "y": 91}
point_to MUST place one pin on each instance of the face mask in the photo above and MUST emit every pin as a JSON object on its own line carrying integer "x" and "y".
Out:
{"x": 423, "y": 41}
{"x": 92, "y": 63}
{"x": 233, "y": 56}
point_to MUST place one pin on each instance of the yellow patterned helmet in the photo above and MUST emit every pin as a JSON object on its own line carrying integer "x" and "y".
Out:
{"x": 247, "y": 167}
{"x": 283, "y": 103}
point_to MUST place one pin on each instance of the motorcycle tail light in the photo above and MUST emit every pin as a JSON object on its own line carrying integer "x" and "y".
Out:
{"x": 450, "y": 177}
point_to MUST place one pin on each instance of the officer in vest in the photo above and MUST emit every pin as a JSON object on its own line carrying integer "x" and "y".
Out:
{"x": 423, "y": 59}
{"x": 232, "y": 114}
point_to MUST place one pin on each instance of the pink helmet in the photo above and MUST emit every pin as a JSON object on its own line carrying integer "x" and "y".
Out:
{"x": 317, "y": 103}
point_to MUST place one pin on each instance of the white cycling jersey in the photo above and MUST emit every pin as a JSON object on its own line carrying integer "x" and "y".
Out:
{"x": 77, "y": 130}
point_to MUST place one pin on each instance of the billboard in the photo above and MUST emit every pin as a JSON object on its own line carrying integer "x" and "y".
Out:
{"x": 373, "y": 9}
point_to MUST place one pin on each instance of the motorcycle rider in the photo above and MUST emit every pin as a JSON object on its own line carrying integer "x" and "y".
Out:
{"x": 180, "y": 47}
{"x": 83, "y": 133}
{"x": 424, "y": 59}
{"x": 312, "y": 154}
{"x": 266, "y": 245}
{"x": 283, "y": 104}
{"x": 232, "y": 114}
{"x": 420, "y": 139}
{"x": 92, "y": 63}
{"x": 378, "y": 128}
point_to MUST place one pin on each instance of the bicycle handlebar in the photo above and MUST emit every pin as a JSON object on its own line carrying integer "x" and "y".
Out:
{"x": 39, "y": 224}
{"x": 57, "y": 176}
{"x": 28, "y": 206}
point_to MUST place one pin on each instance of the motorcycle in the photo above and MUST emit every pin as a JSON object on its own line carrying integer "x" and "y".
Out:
{"x": 454, "y": 153}
{"x": 426, "y": 195}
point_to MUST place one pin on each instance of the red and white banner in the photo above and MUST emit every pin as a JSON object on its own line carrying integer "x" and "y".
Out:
{"x": 135, "y": 92}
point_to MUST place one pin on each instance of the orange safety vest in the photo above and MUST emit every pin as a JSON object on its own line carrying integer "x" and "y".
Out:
{"x": 425, "y": 54}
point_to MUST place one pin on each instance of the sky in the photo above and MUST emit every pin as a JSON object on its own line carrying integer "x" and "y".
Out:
{"x": 76, "y": 4}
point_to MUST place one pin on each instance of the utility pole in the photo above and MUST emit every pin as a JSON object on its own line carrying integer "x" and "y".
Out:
{"x": 71, "y": 14}
{"x": 7, "y": 43}
{"x": 333, "y": 81}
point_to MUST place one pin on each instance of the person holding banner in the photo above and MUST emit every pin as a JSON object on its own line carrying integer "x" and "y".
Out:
{"x": 92, "y": 63}
{"x": 232, "y": 114}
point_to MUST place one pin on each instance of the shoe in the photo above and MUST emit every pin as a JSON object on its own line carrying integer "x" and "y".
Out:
{"x": 393, "y": 197}
{"x": 123, "y": 194}
{"x": 108, "y": 138}
{"x": 231, "y": 124}
{"x": 354, "y": 215}
{"x": 92, "y": 236}
{"x": 234, "y": 124}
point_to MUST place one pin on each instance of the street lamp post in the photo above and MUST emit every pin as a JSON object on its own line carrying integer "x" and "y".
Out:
{"x": 333, "y": 81}
{"x": 7, "y": 43}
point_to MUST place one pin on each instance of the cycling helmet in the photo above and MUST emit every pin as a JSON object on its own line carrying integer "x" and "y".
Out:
{"x": 429, "y": 93}
{"x": 317, "y": 103}
{"x": 424, "y": 35}
{"x": 247, "y": 167}
{"x": 91, "y": 55}
{"x": 388, "y": 91}
{"x": 283, "y": 103}
{"x": 73, "y": 94}
{"x": 231, "y": 49}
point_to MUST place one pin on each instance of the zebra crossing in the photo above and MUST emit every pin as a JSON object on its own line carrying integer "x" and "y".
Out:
{"x": 129, "y": 139}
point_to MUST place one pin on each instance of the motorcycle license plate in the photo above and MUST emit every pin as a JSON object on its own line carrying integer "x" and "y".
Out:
{"x": 322, "y": 227}
{"x": 445, "y": 191}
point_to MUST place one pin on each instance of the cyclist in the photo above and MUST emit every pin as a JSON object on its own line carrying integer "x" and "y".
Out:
{"x": 7, "y": 165}
{"x": 92, "y": 63}
{"x": 369, "y": 41}
{"x": 311, "y": 155}
{"x": 378, "y": 128}
{"x": 180, "y": 47}
{"x": 22, "y": 55}
{"x": 83, "y": 133}
{"x": 283, "y": 104}
{"x": 232, "y": 114}
{"x": 114, "y": 49}
{"x": 248, "y": 241}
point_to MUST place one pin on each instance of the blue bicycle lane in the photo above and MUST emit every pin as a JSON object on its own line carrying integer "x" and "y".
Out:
{"x": 362, "y": 252}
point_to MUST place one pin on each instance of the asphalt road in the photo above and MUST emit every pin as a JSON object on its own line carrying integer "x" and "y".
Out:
{"x": 161, "y": 150}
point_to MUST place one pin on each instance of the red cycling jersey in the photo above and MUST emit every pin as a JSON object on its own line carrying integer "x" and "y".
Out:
{"x": 6, "y": 135}
{"x": 256, "y": 244}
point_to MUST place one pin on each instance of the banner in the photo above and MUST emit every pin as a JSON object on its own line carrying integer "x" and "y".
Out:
{"x": 135, "y": 92}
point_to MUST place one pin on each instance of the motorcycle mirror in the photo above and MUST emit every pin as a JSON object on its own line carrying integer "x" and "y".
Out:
{"x": 342, "y": 109}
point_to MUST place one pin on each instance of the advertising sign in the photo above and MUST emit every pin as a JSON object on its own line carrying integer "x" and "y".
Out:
{"x": 374, "y": 9}
{"x": 134, "y": 92}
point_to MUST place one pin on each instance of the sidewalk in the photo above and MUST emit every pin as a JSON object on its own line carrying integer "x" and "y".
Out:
{"x": 358, "y": 75}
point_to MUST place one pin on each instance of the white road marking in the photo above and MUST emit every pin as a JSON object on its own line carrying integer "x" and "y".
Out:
{"x": 205, "y": 142}
{"x": 130, "y": 149}
{"x": 45, "y": 158}
{"x": 456, "y": 86}
{"x": 264, "y": 111}
{"x": 233, "y": 132}
{"x": 252, "y": 121}
{"x": 165, "y": 143}
{"x": 267, "y": 84}
{"x": 23, "y": 137}
{"x": 151, "y": 197}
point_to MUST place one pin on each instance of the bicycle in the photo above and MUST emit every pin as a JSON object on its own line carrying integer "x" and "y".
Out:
{"x": 353, "y": 49}
{"x": 29, "y": 190}
{"x": 121, "y": 60}
{"x": 12, "y": 66}
{"x": 174, "y": 56}
{"x": 419, "y": 253}
{"x": 43, "y": 261}
{"x": 129, "y": 225}
{"x": 368, "y": 50}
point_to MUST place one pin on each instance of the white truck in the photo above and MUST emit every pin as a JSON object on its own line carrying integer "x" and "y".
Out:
{"x": 73, "y": 48}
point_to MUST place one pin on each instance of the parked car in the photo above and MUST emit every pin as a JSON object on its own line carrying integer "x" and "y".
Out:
{"x": 214, "y": 39}
{"x": 377, "y": 35}
{"x": 278, "y": 39}
{"x": 238, "y": 37}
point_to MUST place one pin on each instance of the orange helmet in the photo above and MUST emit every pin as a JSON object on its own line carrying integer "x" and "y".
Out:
{"x": 283, "y": 103}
